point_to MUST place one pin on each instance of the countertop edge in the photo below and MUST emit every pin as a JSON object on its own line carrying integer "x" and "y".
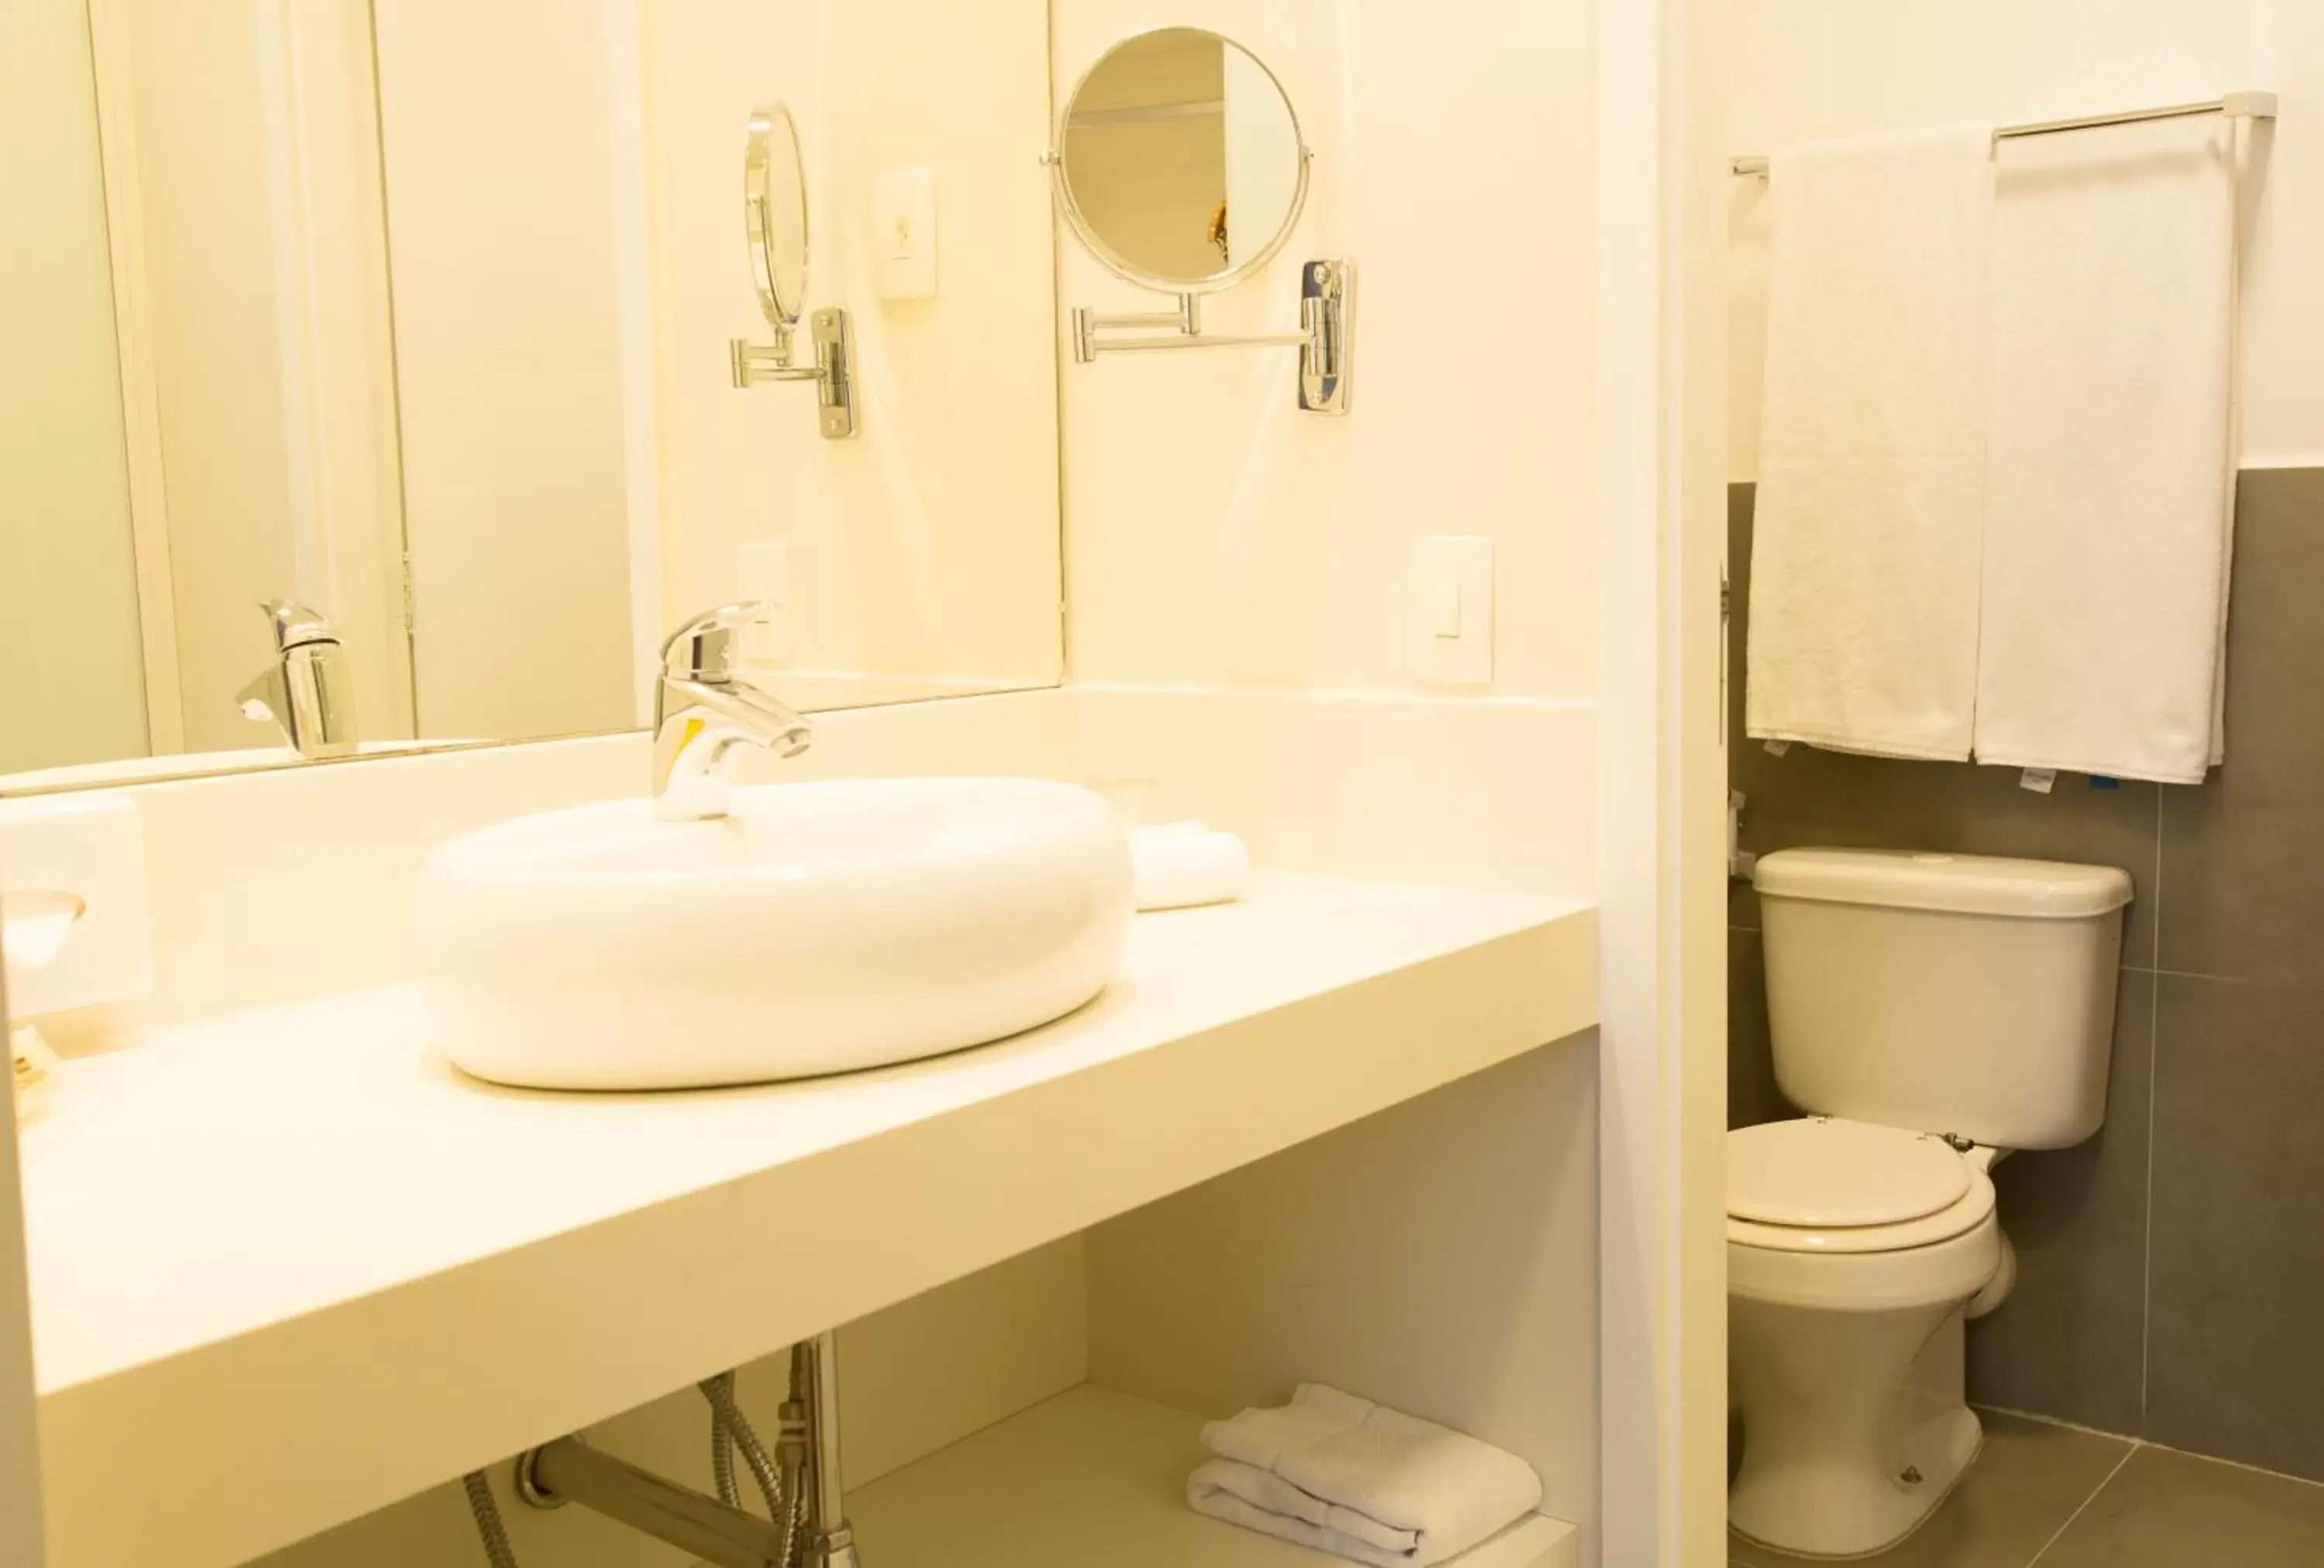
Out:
{"x": 279, "y": 1433}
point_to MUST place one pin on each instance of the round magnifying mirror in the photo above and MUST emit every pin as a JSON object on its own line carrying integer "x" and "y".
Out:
{"x": 774, "y": 213}
{"x": 1179, "y": 160}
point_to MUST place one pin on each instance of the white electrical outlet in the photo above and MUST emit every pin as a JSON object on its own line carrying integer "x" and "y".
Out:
{"x": 763, "y": 571}
{"x": 1452, "y": 615}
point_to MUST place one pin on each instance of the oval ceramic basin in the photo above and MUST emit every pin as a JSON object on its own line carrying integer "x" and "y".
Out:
{"x": 819, "y": 927}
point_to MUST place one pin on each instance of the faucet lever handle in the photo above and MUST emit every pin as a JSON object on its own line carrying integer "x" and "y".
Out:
{"x": 704, "y": 648}
{"x": 295, "y": 626}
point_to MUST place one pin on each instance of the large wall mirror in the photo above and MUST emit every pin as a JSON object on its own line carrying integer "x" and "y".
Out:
{"x": 368, "y": 382}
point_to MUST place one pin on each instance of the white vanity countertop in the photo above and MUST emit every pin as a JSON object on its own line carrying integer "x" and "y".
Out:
{"x": 317, "y": 1269}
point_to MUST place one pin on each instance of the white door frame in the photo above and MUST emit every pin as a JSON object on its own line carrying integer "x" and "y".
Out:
{"x": 1662, "y": 784}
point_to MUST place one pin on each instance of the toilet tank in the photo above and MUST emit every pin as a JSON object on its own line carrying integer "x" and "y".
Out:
{"x": 1944, "y": 993}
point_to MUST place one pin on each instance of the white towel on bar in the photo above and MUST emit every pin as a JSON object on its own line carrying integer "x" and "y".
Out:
{"x": 2110, "y": 481}
{"x": 1865, "y": 548}
{"x": 1354, "y": 1478}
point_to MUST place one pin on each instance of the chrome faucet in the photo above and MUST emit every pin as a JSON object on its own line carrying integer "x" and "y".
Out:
{"x": 702, "y": 713}
{"x": 308, "y": 691}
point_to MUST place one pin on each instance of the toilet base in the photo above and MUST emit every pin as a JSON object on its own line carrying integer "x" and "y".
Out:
{"x": 1856, "y": 1425}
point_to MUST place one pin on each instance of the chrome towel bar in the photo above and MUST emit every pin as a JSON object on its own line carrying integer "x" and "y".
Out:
{"x": 2234, "y": 105}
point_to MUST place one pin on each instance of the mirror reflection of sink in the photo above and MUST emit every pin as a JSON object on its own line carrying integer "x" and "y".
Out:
{"x": 818, "y": 928}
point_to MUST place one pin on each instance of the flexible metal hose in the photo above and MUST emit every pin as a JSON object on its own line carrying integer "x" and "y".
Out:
{"x": 729, "y": 1425}
{"x": 722, "y": 1444}
{"x": 732, "y": 1427}
{"x": 497, "y": 1550}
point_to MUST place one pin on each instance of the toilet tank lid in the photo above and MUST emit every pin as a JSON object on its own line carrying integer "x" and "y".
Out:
{"x": 1968, "y": 884}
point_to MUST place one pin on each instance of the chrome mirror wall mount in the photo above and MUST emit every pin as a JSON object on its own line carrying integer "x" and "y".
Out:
{"x": 833, "y": 372}
{"x": 1111, "y": 124}
{"x": 775, "y": 228}
{"x": 1326, "y": 317}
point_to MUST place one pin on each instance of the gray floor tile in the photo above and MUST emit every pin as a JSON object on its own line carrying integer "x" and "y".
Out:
{"x": 2174, "y": 1510}
{"x": 2071, "y": 1340}
{"x": 2243, "y": 856}
{"x": 2024, "y": 1485}
{"x": 2235, "y": 1363}
{"x": 1752, "y": 1096}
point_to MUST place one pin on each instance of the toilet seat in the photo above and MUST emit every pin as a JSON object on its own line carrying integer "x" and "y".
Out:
{"x": 1822, "y": 1184}
{"x": 1934, "y": 1255}
{"x": 1825, "y": 1172}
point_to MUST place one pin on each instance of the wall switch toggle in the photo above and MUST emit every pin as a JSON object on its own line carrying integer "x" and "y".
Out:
{"x": 1453, "y": 611}
{"x": 904, "y": 233}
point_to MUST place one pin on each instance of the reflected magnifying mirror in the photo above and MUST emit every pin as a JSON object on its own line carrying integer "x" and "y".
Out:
{"x": 774, "y": 213}
{"x": 774, "y": 225}
{"x": 1180, "y": 164}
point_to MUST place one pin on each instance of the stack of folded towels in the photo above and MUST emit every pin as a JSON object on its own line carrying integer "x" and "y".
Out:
{"x": 1346, "y": 1476}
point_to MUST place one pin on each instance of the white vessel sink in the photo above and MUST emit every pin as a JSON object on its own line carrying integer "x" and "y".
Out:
{"x": 817, "y": 928}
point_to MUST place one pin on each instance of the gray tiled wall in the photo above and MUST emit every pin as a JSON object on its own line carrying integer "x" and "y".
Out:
{"x": 2170, "y": 1279}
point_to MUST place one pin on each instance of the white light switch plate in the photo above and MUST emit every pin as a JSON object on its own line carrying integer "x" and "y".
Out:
{"x": 763, "y": 571}
{"x": 904, "y": 233}
{"x": 1451, "y": 625}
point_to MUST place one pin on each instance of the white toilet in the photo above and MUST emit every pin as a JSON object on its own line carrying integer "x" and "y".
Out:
{"x": 1931, "y": 1012}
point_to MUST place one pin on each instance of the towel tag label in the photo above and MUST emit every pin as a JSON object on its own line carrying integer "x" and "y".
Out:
{"x": 2038, "y": 780}
{"x": 1777, "y": 748}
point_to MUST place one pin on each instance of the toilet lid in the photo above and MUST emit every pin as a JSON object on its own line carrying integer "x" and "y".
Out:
{"x": 1824, "y": 1172}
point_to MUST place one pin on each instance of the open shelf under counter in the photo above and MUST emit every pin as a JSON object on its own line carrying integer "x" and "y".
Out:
{"x": 318, "y": 1270}
{"x": 1095, "y": 1478}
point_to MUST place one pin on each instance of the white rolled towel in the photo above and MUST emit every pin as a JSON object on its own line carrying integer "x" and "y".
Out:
{"x": 1182, "y": 864}
{"x": 1346, "y": 1476}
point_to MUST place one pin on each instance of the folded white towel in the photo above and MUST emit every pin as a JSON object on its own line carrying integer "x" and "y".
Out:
{"x": 1865, "y": 548}
{"x": 1183, "y": 864}
{"x": 1352, "y": 1477}
{"x": 2111, "y": 490}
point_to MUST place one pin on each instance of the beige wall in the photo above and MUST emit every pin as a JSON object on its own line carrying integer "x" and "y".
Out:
{"x": 1801, "y": 69}
{"x": 924, "y": 550}
{"x": 71, "y": 689}
{"x": 1216, "y": 534}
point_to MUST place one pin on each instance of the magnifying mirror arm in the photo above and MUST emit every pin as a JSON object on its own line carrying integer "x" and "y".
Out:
{"x": 1326, "y": 290}
{"x": 833, "y": 372}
